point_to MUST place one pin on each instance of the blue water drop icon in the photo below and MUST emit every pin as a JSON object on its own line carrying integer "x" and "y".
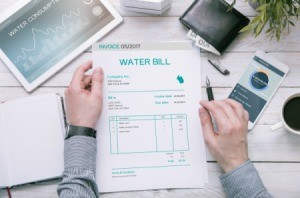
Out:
{"x": 180, "y": 79}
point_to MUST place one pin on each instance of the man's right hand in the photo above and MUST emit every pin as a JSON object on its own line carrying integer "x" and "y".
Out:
{"x": 229, "y": 144}
{"x": 84, "y": 97}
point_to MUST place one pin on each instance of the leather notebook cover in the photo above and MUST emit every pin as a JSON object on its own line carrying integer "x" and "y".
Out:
{"x": 211, "y": 20}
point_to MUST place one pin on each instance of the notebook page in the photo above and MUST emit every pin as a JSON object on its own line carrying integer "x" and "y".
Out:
{"x": 3, "y": 156}
{"x": 35, "y": 138}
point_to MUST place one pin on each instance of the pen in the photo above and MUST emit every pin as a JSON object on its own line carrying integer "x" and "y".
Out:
{"x": 219, "y": 66}
{"x": 209, "y": 91}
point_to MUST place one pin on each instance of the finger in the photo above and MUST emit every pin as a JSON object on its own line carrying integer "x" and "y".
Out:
{"x": 87, "y": 80}
{"x": 238, "y": 107}
{"x": 207, "y": 127}
{"x": 246, "y": 114}
{"x": 97, "y": 82}
{"x": 217, "y": 112}
{"x": 231, "y": 114}
{"x": 79, "y": 74}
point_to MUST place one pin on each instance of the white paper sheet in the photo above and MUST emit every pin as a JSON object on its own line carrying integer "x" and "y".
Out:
{"x": 149, "y": 134}
{"x": 4, "y": 178}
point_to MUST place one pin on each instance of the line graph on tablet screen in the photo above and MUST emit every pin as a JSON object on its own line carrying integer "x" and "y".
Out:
{"x": 52, "y": 38}
{"x": 45, "y": 32}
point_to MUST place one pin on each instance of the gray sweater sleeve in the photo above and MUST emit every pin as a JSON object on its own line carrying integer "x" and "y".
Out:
{"x": 79, "y": 178}
{"x": 244, "y": 181}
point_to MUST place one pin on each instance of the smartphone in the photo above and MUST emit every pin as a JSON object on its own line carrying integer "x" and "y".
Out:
{"x": 258, "y": 84}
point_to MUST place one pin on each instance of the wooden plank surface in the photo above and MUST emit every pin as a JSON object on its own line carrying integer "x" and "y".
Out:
{"x": 279, "y": 179}
{"x": 178, "y": 7}
{"x": 270, "y": 116}
{"x": 169, "y": 28}
{"x": 274, "y": 153}
{"x": 264, "y": 145}
{"x": 235, "y": 65}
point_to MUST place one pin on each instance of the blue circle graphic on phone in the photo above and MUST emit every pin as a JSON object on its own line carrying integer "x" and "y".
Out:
{"x": 259, "y": 80}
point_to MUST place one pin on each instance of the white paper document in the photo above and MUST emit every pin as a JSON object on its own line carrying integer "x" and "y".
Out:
{"x": 149, "y": 134}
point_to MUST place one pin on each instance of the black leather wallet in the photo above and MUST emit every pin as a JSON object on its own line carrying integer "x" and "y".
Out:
{"x": 211, "y": 20}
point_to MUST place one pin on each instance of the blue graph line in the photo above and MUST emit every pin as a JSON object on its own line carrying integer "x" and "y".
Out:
{"x": 49, "y": 30}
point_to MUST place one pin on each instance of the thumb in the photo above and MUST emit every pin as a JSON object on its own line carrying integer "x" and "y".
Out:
{"x": 207, "y": 127}
{"x": 97, "y": 82}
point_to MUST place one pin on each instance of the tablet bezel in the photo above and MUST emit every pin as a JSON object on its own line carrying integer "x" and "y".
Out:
{"x": 64, "y": 61}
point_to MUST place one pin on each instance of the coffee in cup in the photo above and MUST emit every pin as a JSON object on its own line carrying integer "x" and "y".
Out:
{"x": 290, "y": 115}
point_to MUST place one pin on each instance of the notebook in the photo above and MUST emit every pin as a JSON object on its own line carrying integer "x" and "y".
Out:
{"x": 31, "y": 139}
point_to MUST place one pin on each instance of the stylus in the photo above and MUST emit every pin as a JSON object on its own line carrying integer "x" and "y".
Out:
{"x": 209, "y": 91}
{"x": 219, "y": 66}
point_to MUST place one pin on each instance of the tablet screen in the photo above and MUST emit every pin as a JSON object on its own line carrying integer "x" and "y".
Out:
{"x": 43, "y": 32}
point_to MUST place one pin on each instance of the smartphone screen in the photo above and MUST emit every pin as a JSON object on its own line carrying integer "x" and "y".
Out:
{"x": 256, "y": 86}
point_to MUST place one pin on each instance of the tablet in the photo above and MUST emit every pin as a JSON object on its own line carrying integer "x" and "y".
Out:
{"x": 39, "y": 37}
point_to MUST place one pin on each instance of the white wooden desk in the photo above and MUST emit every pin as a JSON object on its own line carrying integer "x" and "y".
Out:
{"x": 276, "y": 155}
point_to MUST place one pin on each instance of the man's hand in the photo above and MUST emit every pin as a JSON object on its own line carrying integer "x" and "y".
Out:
{"x": 229, "y": 144}
{"x": 84, "y": 97}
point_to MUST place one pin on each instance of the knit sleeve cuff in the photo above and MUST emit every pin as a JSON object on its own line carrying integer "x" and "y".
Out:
{"x": 80, "y": 152}
{"x": 243, "y": 181}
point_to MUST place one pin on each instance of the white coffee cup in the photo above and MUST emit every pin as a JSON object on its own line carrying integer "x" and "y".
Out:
{"x": 283, "y": 122}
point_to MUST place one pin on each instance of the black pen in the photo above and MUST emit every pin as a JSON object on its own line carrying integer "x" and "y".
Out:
{"x": 209, "y": 91}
